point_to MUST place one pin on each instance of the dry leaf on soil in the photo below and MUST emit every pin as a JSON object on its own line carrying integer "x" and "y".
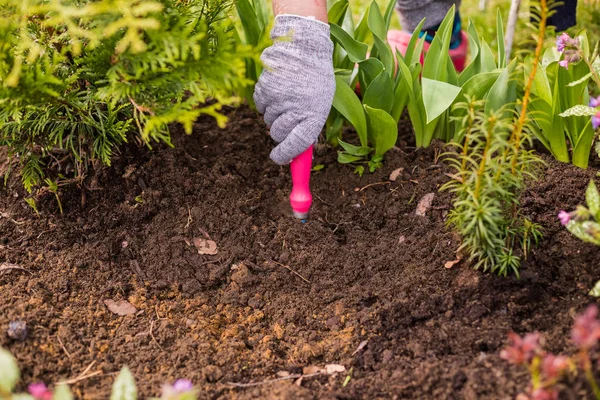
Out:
{"x": 205, "y": 246}
{"x": 313, "y": 369}
{"x": 425, "y": 204}
{"x": 395, "y": 174}
{"x": 451, "y": 264}
{"x": 121, "y": 307}
{"x": 334, "y": 369}
{"x": 361, "y": 346}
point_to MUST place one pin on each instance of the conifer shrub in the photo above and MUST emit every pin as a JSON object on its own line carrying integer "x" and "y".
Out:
{"x": 79, "y": 78}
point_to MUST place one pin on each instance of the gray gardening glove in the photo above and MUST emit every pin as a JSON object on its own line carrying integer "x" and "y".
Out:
{"x": 296, "y": 88}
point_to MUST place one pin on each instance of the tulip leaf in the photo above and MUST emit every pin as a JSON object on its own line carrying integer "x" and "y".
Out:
{"x": 358, "y": 151}
{"x": 500, "y": 40}
{"x": 595, "y": 292}
{"x": 380, "y": 93}
{"x": 337, "y": 12}
{"x": 348, "y": 104}
{"x": 438, "y": 96}
{"x": 383, "y": 129}
{"x": 345, "y": 158}
{"x": 356, "y": 50}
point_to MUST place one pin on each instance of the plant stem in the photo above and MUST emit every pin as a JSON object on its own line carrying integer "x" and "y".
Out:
{"x": 590, "y": 376}
{"x": 484, "y": 156}
{"x": 517, "y": 133}
{"x": 465, "y": 151}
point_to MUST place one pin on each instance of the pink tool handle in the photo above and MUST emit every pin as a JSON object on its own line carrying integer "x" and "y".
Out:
{"x": 300, "y": 198}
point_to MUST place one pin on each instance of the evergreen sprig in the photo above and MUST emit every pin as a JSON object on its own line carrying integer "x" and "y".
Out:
{"x": 81, "y": 77}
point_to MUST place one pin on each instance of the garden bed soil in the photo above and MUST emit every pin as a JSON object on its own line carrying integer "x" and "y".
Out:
{"x": 280, "y": 295}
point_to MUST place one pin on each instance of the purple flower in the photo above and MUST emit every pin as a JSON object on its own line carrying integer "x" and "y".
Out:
{"x": 564, "y": 217}
{"x": 594, "y": 102}
{"x": 564, "y": 63}
{"x": 40, "y": 391}
{"x": 181, "y": 386}
{"x": 562, "y": 41}
{"x": 596, "y": 120}
{"x": 586, "y": 329}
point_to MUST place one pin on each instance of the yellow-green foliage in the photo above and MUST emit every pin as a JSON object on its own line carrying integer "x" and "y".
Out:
{"x": 80, "y": 77}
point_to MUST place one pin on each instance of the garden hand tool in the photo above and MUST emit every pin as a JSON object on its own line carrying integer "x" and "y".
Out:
{"x": 301, "y": 198}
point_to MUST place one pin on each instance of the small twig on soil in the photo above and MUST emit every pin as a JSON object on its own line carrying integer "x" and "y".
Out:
{"x": 323, "y": 201}
{"x": 285, "y": 378}
{"x": 81, "y": 376}
{"x": 7, "y": 216}
{"x": 5, "y": 267}
{"x": 373, "y": 184}
{"x": 153, "y": 338}
{"x": 291, "y": 270}
{"x": 189, "y": 220}
{"x": 63, "y": 346}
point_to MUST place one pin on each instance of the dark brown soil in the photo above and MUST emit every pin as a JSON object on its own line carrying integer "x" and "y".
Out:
{"x": 367, "y": 269}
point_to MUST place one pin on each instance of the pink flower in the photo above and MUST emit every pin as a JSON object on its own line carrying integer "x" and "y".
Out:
{"x": 564, "y": 63}
{"x": 553, "y": 366}
{"x": 181, "y": 386}
{"x": 40, "y": 391}
{"x": 544, "y": 394}
{"x": 564, "y": 217}
{"x": 596, "y": 120}
{"x": 586, "y": 329}
{"x": 562, "y": 41}
{"x": 522, "y": 350}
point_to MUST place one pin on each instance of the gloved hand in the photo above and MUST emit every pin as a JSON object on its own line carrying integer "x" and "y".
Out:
{"x": 296, "y": 89}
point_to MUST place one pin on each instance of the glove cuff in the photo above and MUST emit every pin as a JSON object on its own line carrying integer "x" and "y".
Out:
{"x": 303, "y": 31}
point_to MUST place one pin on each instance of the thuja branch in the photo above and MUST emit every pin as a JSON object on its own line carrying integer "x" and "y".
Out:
{"x": 518, "y": 131}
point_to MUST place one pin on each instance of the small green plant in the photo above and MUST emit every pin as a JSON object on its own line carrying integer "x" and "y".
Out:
{"x": 124, "y": 387}
{"x": 485, "y": 211}
{"x": 80, "y": 78}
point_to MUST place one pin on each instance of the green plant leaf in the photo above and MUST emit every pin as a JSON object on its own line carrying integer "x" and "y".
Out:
{"x": 362, "y": 32}
{"x": 438, "y": 97}
{"x": 358, "y": 151}
{"x": 414, "y": 50}
{"x": 124, "y": 387}
{"x": 248, "y": 17}
{"x": 500, "y": 39}
{"x": 337, "y": 12}
{"x": 401, "y": 97}
{"x": 579, "y": 111}
{"x": 595, "y": 292}
{"x": 9, "y": 372}
{"x": 368, "y": 70}
{"x": 62, "y": 392}
{"x": 348, "y": 104}
{"x": 503, "y": 91}
{"x": 389, "y": 13}
{"x": 382, "y": 128}
{"x": 479, "y": 85}
{"x": 345, "y": 158}
{"x": 356, "y": 50}
{"x": 376, "y": 22}
{"x": 437, "y": 58}
{"x": 592, "y": 198}
{"x": 380, "y": 93}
